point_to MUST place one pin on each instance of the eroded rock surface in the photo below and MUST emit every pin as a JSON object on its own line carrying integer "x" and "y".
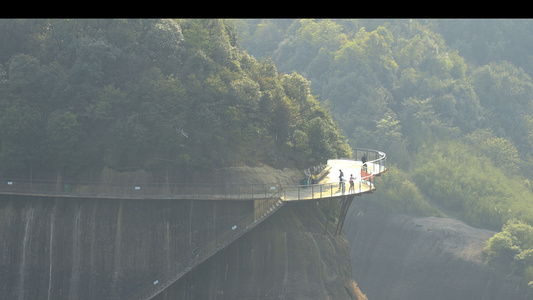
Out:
{"x": 401, "y": 257}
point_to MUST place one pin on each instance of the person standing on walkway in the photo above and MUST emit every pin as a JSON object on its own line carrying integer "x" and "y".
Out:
{"x": 352, "y": 186}
{"x": 341, "y": 178}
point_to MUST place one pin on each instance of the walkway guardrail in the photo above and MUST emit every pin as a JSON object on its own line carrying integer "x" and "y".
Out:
{"x": 327, "y": 190}
{"x": 136, "y": 190}
{"x": 374, "y": 165}
{"x": 179, "y": 191}
{"x": 375, "y": 160}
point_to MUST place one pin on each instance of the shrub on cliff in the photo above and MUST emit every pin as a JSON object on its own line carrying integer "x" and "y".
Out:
{"x": 511, "y": 250}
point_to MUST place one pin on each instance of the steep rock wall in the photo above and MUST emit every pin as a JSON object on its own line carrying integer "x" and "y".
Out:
{"x": 401, "y": 257}
{"x": 100, "y": 249}
{"x": 66, "y": 248}
{"x": 285, "y": 257}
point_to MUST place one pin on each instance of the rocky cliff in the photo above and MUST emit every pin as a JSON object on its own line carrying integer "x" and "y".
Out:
{"x": 285, "y": 257}
{"x": 66, "y": 248}
{"x": 402, "y": 257}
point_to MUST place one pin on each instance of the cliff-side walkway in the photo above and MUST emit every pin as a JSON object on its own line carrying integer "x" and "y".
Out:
{"x": 267, "y": 200}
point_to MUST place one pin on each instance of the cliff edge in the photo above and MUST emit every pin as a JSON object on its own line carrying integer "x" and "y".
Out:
{"x": 288, "y": 256}
{"x": 85, "y": 248}
{"x": 402, "y": 257}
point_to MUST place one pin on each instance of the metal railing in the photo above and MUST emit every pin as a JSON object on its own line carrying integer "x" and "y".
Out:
{"x": 136, "y": 190}
{"x": 326, "y": 190}
{"x": 375, "y": 165}
{"x": 375, "y": 159}
{"x": 180, "y": 191}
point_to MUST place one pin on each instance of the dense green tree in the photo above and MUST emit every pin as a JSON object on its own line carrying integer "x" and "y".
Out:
{"x": 19, "y": 36}
{"x": 505, "y": 93}
{"x": 461, "y": 179}
{"x": 21, "y": 138}
{"x": 266, "y": 37}
{"x": 62, "y": 135}
{"x": 129, "y": 94}
{"x": 501, "y": 151}
{"x": 398, "y": 193}
{"x": 163, "y": 45}
{"x": 511, "y": 249}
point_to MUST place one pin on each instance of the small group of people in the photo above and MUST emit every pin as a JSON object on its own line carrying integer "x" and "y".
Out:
{"x": 311, "y": 173}
{"x": 342, "y": 182}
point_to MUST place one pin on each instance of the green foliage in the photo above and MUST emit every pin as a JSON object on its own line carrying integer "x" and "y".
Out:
{"x": 398, "y": 193}
{"x": 502, "y": 152}
{"x": 511, "y": 250}
{"x": 146, "y": 94}
{"x": 449, "y": 101}
{"x": 62, "y": 135}
{"x": 22, "y": 134}
{"x": 460, "y": 179}
{"x": 445, "y": 99}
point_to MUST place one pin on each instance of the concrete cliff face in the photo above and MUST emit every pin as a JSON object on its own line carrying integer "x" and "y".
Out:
{"x": 65, "y": 248}
{"x": 99, "y": 249}
{"x": 401, "y": 257}
{"x": 279, "y": 259}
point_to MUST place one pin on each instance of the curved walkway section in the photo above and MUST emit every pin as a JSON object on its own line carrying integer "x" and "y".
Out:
{"x": 332, "y": 186}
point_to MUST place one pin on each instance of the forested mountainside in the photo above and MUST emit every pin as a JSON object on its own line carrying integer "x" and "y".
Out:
{"x": 449, "y": 101}
{"x": 80, "y": 95}
{"x": 157, "y": 99}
